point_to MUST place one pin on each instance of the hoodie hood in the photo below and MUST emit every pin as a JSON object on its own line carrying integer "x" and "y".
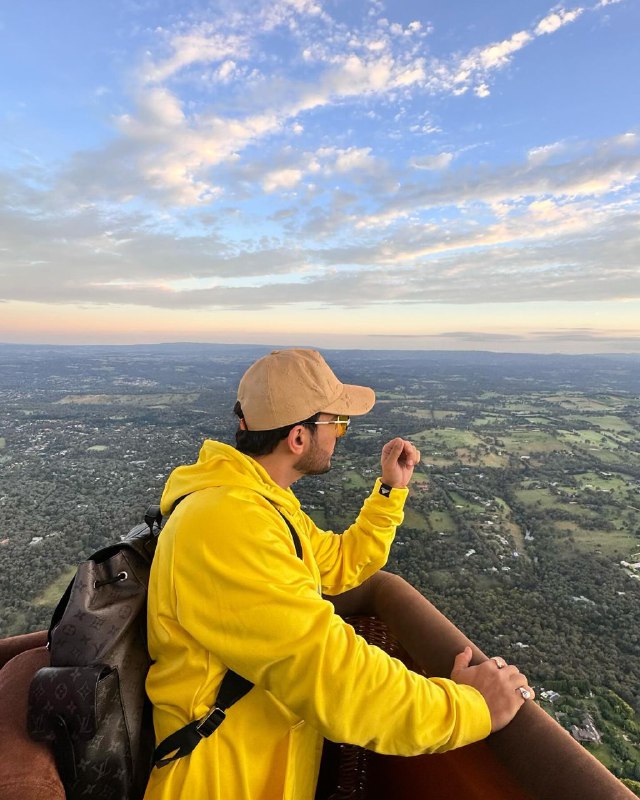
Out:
{"x": 220, "y": 464}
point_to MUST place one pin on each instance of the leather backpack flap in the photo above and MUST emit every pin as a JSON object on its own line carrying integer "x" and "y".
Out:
{"x": 79, "y": 710}
{"x": 66, "y": 694}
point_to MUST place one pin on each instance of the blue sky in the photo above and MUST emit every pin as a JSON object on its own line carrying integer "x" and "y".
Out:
{"x": 439, "y": 175}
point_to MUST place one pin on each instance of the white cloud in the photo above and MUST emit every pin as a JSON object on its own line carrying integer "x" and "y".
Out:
{"x": 304, "y": 6}
{"x": 357, "y": 76}
{"x": 226, "y": 70}
{"x": 282, "y": 179}
{"x": 285, "y": 13}
{"x": 453, "y": 232}
{"x": 548, "y": 247}
{"x": 540, "y": 155}
{"x": 589, "y": 169}
{"x": 354, "y": 158}
{"x": 377, "y": 46}
{"x": 433, "y": 162}
{"x": 556, "y": 19}
{"x": 473, "y": 70}
{"x": 546, "y": 210}
{"x": 499, "y": 54}
{"x": 204, "y": 44}
{"x": 175, "y": 148}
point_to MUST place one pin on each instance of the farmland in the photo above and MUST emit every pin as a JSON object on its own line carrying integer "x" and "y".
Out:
{"x": 522, "y": 523}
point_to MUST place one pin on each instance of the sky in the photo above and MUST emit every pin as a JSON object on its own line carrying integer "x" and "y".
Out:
{"x": 334, "y": 173}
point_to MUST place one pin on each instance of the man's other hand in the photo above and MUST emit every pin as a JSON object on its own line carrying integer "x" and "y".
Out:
{"x": 398, "y": 459}
{"x": 503, "y": 687}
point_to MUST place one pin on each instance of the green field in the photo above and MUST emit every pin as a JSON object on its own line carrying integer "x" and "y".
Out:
{"x": 445, "y": 446}
{"x": 465, "y": 505}
{"x": 508, "y": 525}
{"x": 357, "y": 481}
{"x": 530, "y": 441}
{"x": 438, "y": 415}
{"x": 615, "y": 484}
{"x": 447, "y": 438}
{"x": 441, "y": 521}
{"x": 55, "y": 590}
{"x": 587, "y": 439}
{"x": 3, "y": 443}
{"x": 609, "y": 422}
{"x": 543, "y": 498}
{"x": 616, "y": 543}
{"x": 584, "y": 403}
{"x": 486, "y": 419}
{"x": 157, "y": 400}
{"x": 414, "y": 519}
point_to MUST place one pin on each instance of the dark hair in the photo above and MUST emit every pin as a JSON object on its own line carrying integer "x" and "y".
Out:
{"x": 261, "y": 443}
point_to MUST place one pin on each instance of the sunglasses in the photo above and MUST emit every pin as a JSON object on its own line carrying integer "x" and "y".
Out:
{"x": 341, "y": 423}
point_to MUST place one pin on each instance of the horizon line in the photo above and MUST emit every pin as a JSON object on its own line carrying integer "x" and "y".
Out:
{"x": 260, "y": 346}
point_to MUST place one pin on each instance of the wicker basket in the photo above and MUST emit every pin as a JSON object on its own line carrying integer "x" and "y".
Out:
{"x": 346, "y": 768}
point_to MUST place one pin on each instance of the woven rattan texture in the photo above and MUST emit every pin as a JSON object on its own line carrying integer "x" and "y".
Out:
{"x": 353, "y": 763}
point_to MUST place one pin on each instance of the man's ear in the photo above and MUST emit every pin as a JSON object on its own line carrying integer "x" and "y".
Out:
{"x": 296, "y": 439}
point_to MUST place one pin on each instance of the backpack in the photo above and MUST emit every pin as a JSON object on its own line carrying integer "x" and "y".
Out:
{"x": 90, "y": 703}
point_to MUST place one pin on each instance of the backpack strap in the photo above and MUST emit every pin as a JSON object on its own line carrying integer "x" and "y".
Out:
{"x": 233, "y": 688}
{"x": 296, "y": 539}
{"x": 184, "y": 740}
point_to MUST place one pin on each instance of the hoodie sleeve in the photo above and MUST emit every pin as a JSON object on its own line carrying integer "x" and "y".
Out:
{"x": 246, "y": 597}
{"x": 347, "y": 559}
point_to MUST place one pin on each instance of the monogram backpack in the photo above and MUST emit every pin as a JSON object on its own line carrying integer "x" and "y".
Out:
{"x": 90, "y": 703}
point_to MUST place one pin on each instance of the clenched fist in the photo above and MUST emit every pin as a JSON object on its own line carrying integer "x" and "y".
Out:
{"x": 398, "y": 459}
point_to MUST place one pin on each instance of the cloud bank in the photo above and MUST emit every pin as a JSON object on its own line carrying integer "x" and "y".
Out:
{"x": 215, "y": 190}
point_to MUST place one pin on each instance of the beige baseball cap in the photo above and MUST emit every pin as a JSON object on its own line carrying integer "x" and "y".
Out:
{"x": 288, "y": 386}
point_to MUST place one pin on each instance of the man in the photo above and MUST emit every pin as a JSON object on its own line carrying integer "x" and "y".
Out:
{"x": 229, "y": 592}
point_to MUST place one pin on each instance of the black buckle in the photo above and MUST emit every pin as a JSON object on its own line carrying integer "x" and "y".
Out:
{"x": 208, "y": 724}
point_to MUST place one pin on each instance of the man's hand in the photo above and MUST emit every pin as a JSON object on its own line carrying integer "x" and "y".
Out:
{"x": 398, "y": 459}
{"x": 498, "y": 683}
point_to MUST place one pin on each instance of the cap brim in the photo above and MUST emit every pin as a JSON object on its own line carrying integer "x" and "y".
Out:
{"x": 353, "y": 401}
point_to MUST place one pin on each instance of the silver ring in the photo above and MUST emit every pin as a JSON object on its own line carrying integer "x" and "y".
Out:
{"x": 500, "y": 663}
{"x": 526, "y": 694}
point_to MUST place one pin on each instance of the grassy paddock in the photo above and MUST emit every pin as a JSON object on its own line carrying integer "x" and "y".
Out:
{"x": 467, "y": 505}
{"x": 615, "y": 484}
{"x": 441, "y": 521}
{"x": 618, "y": 458}
{"x": 139, "y": 400}
{"x": 55, "y": 590}
{"x": 356, "y": 481}
{"x": 532, "y": 497}
{"x": 531, "y": 441}
{"x": 617, "y": 544}
{"x": 486, "y": 419}
{"x": 610, "y": 422}
{"x": 414, "y": 519}
{"x": 588, "y": 439}
{"x": 511, "y": 527}
{"x": 447, "y": 438}
{"x": 583, "y": 403}
{"x": 444, "y": 414}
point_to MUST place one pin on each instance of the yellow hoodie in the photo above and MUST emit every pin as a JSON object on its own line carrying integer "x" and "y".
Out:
{"x": 228, "y": 591}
